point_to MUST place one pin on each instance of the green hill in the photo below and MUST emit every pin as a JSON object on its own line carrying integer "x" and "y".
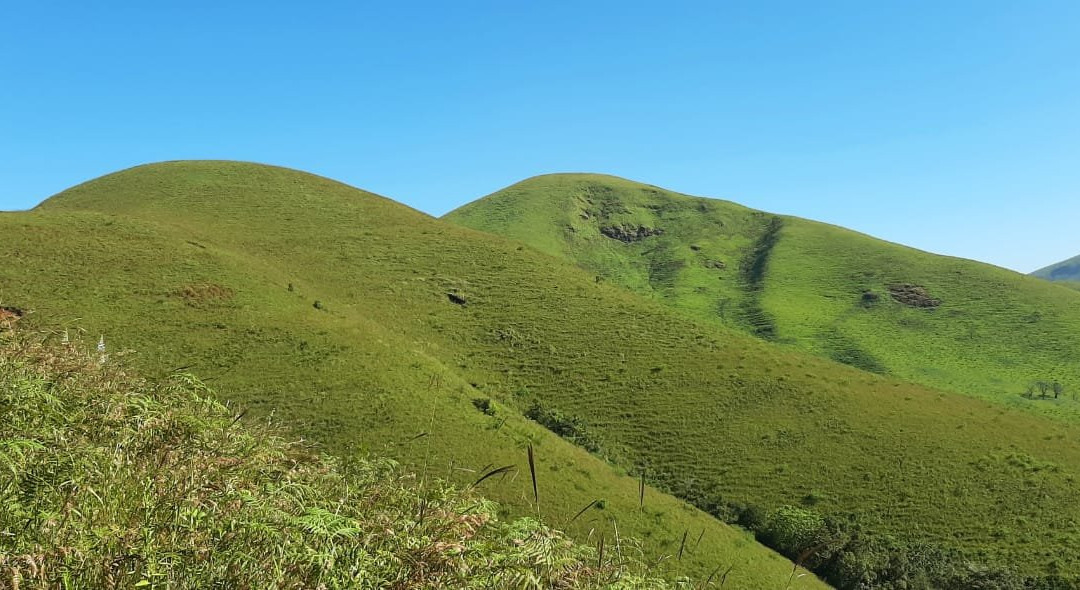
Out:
{"x": 115, "y": 482}
{"x": 372, "y": 327}
{"x": 327, "y": 308}
{"x": 1067, "y": 270}
{"x": 947, "y": 323}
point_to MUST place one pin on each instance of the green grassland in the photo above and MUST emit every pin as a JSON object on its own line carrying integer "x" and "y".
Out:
{"x": 218, "y": 267}
{"x": 1066, "y": 270}
{"x": 990, "y": 332}
{"x": 112, "y": 481}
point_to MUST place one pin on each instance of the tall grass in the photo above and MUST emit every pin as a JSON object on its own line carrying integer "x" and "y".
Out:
{"x": 112, "y": 481}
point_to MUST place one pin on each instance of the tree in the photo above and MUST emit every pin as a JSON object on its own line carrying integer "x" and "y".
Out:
{"x": 1044, "y": 387}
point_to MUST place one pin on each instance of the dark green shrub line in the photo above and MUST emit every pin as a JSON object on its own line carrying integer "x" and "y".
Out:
{"x": 752, "y": 271}
{"x": 850, "y": 556}
{"x": 569, "y": 427}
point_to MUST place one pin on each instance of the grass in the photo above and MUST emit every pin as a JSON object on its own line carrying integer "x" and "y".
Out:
{"x": 116, "y": 482}
{"x": 802, "y": 449}
{"x": 216, "y": 267}
{"x": 818, "y": 288}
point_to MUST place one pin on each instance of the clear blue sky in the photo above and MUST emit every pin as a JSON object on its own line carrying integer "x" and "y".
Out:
{"x": 952, "y": 126}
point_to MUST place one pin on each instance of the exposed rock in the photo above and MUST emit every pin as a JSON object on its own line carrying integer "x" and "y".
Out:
{"x": 717, "y": 264}
{"x": 913, "y": 295}
{"x": 630, "y": 233}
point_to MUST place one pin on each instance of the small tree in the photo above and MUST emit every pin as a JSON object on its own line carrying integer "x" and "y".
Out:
{"x": 1057, "y": 388}
{"x": 1044, "y": 388}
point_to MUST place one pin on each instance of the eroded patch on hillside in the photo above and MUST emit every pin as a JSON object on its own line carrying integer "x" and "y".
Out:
{"x": 913, "y": 295}
{"x": 9, "y": 315}
{"x": 202, "y": 293}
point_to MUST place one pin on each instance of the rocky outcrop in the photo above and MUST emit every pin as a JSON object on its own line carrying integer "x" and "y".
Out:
{"x": 629, "y": 233}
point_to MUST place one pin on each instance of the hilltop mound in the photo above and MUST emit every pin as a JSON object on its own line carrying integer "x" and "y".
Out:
{"x": 948, "y": 323}
{"x": 339, "y": 319}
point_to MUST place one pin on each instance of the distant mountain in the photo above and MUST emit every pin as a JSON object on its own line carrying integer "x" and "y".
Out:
{"x": 1066, "y": 270}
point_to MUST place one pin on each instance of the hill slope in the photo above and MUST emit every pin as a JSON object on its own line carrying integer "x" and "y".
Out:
{"x": 1066, "y": 270}
{"x": 948, "y": 323}
{"x": 115, "y": 482}
{"x": 425, "y": 328}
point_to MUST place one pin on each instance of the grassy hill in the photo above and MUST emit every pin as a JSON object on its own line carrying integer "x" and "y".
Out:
{"x": 327, "y": 308}
{"x": 1066, "y": 270}
{"x": 948, "y": 323}
{"x": 372, "y": 327}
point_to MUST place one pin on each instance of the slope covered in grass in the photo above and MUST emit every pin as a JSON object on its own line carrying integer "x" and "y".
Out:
{"x": 115, "y": 482}
{"x": 327, "y": 307}
{"x": 948, "y": 323}
{"x": 373, "y": 327}
{"x": 1066, "y": 270}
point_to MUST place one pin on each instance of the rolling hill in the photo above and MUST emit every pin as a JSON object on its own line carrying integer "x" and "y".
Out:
{"x": 948, "y": 323}
{"x": 370, "y": 327}
{"x": 1066, "y": 270}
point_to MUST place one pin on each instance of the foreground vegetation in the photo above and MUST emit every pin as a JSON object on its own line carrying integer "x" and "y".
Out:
{"x": 115, "y": 482}
{"x": 453, "y": 351}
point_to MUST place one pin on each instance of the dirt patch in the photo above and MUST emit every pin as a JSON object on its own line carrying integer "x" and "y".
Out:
{"x": 10, "y": 315}
{"x": 913, "y": 295}
{"x": 204, "y": 293}
{"x": 629, "y": 233}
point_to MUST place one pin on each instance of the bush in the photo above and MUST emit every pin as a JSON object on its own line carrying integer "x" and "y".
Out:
{"x": 568, "y": 427}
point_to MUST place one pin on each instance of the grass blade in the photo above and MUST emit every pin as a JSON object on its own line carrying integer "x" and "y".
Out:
{"x": 493, "y": 473}
{"x": 582, "y": 511}
{"x": 532, "y": 471}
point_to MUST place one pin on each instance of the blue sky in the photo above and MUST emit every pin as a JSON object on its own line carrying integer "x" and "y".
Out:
{"x": 951, "y": 126}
